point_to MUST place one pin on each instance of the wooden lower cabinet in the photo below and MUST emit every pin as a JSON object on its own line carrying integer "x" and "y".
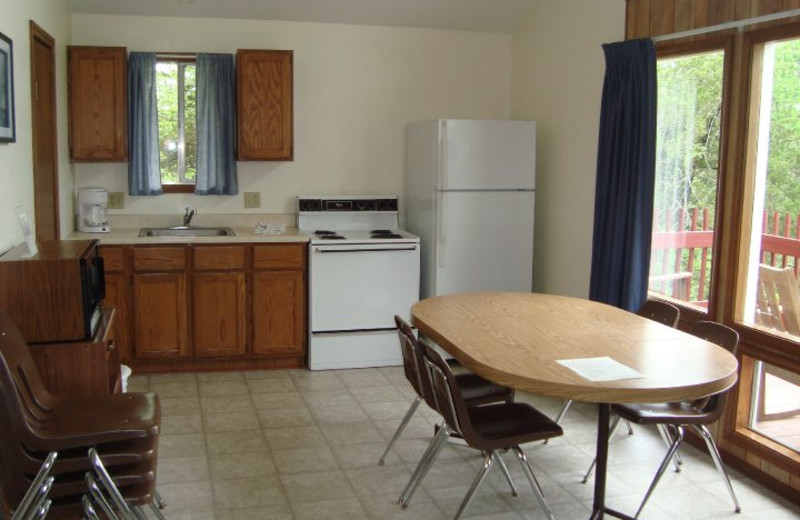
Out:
{"x": 160, "y": 315}
{"x": 279, "y": 324}
{"x": 209, "y": 306}
{"x": 220, "y": 309}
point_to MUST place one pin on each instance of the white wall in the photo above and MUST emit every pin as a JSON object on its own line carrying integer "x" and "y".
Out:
{"x": 557, "y": 78}
{"x": 16, "y": 161}
{"x": 356, "y": 88}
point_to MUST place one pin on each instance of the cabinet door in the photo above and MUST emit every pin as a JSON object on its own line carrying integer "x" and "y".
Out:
{"x": 97, "y": 104}
{"x": 117, "y": 297}
{"x": 219, "y": 314}
{"x": 264, "y": 105}
{"x": 279, "y": 308}
{"x": 160, "y": 315}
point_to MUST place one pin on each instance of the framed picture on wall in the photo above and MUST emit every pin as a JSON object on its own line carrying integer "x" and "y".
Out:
{"x": 6, "y": 90}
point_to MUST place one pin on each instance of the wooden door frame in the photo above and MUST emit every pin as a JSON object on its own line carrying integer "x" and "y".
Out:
{"x": 38, "y": 34}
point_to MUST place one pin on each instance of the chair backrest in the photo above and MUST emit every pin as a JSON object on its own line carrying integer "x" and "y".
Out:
{"x": 447, "y": 396}
{"x": 726, "y": 338}
{"x": 778, "y": 300}
{"x": 37, "y": 401}
{"x": 661, "y": 312}
{"x": 414, "y": 361}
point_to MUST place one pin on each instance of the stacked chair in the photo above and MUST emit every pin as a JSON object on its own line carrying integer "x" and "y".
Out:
{"x": 686, "y": 414}
{"x": 122, "y": 428}
{"x": 490, "y": 427}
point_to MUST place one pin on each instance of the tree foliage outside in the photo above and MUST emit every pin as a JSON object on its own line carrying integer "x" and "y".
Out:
{"x": 169, "y": 93}
{"x": 688, "y": 146}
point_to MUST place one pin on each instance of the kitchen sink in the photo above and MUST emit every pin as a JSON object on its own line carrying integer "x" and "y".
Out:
{"x": 187, "y": 231}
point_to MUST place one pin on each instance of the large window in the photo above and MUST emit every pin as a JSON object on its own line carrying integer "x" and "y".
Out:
{"x": 769, "y": 299}
{"x": 690, "y": 89}
{"x": 176, "y": 94}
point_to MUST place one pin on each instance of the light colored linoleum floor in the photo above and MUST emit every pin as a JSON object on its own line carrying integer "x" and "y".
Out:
{"x": 295, "y": 444}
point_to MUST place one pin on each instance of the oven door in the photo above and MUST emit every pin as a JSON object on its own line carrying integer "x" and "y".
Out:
{"x": 362, "y": 286}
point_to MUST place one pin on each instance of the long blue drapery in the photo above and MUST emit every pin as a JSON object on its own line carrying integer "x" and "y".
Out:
{"x": 144, "y": 173}
{"x": 216, "y": 125}
{"x": 623, "y": 212}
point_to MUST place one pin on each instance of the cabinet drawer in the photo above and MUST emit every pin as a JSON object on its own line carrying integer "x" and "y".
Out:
{"x": 113, "y": 258}
{"x": 159, "y": 258}
{"x": 216, "y": 258}
{"x": 283, "y": 256}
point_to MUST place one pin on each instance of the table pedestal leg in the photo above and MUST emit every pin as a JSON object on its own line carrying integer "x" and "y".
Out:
{"x": 599, "y": 508}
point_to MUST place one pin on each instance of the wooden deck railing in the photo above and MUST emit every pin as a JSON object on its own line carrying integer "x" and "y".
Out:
{"x": 683, "y": 239}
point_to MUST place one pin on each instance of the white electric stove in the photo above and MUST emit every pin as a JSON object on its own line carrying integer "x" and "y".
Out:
{"x": 363, "y": 270}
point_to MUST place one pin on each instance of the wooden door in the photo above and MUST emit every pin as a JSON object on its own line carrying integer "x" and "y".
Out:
{"x": 279, "y": 313}
{"x": 160, "y": 315}
{"x": 219, "y": 314}
{"x": 264, "y": 105}
{"x": 97, "y": 104}
{"x": 45, "y": 154}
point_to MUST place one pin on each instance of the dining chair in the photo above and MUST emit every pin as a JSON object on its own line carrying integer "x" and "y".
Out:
{"x": 490, "y": 428}
{"x": 692, "y": 414}
{"x": 477, "y": 390}
{"x": 656, "y": 310}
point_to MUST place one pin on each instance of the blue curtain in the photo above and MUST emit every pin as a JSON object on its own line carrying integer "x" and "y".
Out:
{"x": 144, "y": 173}
{"x": 216, "y": 125}
{"x": 623, "y": 211}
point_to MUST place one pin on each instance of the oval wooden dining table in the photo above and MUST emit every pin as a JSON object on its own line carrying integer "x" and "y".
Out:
{"x": 516, "y": 339}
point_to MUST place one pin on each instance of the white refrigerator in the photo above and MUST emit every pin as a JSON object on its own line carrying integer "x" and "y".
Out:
{"x": 469, "y": 195}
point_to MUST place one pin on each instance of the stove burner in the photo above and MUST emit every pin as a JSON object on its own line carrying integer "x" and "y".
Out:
{"x": 331, "y": 237}
{"x": 382, "y": 232}
{"x": 323, "y": 232}
{"x": 385, "y": 235}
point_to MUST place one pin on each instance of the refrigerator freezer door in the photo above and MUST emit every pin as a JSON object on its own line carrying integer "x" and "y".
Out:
{"x": 485, "y": 242}
{"x": 487, "y": 155}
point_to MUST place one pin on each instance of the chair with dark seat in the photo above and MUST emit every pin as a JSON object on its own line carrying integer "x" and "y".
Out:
{"x": 489, "y": 428}
{"x": 692, "y": 414}
{"x": 476, "y": 390}
{"x": 656, "y": 310}
{"x": 33, "y": 422}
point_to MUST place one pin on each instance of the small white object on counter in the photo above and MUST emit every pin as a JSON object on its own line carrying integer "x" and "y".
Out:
{"x": 264, "y": 228}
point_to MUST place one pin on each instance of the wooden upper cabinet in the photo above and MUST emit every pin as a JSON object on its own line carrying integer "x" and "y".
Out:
{"x": 264, "y": 111}
{"x": 97, "y": 104}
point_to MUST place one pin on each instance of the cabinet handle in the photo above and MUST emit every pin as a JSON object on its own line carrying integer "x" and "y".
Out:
{"x": 110, "y": 345}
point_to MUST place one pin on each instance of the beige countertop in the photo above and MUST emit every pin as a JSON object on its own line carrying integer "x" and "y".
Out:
{"x": 131, "y": 236}
{"x": 125, "y": 229}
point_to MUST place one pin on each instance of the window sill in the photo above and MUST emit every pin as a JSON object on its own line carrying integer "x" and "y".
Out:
{"x": 177, "y": 188}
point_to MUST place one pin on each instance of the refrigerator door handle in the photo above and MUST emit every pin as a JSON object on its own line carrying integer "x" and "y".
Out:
{"x": 441, "y": 229}
{"x": 443, "y": 170}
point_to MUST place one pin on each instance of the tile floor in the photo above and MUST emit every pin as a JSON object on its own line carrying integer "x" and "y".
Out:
{"x": 295, "y": 444}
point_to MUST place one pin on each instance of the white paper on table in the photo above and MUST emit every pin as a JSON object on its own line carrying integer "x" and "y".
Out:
{"x": 600, "y": 369}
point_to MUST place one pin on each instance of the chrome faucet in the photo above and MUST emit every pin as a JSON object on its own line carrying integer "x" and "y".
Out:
{"x": 187, "y": 217}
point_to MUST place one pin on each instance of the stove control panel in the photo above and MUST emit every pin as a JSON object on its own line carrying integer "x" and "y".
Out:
{"x": 323, "y": 204}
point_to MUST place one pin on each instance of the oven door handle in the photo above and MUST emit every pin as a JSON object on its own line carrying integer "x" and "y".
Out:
{"x": 344, "y": 249}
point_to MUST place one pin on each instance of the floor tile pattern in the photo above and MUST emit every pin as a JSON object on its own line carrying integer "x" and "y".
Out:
{"x": 296, "y": 444}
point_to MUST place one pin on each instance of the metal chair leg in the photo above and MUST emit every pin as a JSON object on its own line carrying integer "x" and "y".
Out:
{"x": 613, "y": 428}
{"x": 138, "y": 513}
{"x": 159, "y": 500}
{"x": 537, "y": 488}
{"x": 561, "y": 414}
{"x": 402, "y": 426}
{"x": 435, "y": 446}
{"x": 156, "y": 510}
{"x": 479, "y": 478}
{"x": 667, "y": 438}
{"x": 504, "y": 469}
{"x": 714, "y": 452}
{"x": 88, "y": 509}
{"x": 662, "y": 468}
{"x": 630, "y": 428}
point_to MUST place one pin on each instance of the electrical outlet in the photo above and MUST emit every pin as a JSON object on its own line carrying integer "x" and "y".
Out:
{"x": 116, "y": 200}
{"x": 252, "y": 199}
